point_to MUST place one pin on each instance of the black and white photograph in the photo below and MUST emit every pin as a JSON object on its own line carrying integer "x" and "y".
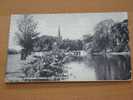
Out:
{"x": 68, "y": 47}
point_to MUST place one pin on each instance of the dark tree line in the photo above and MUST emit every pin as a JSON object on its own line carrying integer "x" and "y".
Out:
{"x": 120, "y": 41}
{"x": 109, "y": 37}
{"x": 71, "y": 44}
{"x": 45, "y": 43}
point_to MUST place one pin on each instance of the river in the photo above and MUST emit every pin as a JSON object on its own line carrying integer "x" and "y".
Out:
{"x": 88, "y": 68}
{"x": 98, "y": 67}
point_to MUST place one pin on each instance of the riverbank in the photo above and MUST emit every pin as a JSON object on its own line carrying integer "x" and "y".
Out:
{"x": 111, "y": 53}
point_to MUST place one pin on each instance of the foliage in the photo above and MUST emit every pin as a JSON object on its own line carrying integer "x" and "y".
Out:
{"x": 44, "y": 43}
{"x": 71, "y": 44}
{"x": 87, "y": 38}
{"x": 120, "y": 35}
{"x": 108, "y": 37}
{"x": 49, "y": 65}
{"x": 26, "y": 32}
{"x": 102, "y": 36}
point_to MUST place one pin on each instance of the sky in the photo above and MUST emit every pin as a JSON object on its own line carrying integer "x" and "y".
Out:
{"x": 72, "y": 25}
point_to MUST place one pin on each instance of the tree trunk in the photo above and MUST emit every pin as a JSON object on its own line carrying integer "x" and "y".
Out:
{"x": 24, "y": 54}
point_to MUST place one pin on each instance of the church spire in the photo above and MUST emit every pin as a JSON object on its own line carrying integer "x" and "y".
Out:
{"x": 59, "y": 33}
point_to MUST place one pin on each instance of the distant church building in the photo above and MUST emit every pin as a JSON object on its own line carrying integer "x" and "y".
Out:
{"x": 58, "y": 41}
{"x": 59, "y": 36}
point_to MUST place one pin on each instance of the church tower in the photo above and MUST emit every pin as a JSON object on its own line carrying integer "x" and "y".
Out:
{"x": 59, "y": 35}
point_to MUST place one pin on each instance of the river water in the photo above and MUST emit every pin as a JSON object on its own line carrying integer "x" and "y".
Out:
{"x": 87, "y": 68}
{"x": 111, "y": 67}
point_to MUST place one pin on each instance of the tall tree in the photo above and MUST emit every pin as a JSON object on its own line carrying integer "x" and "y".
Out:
{"x": 120, "y": 38}
{"x": 26, "y": 34}
{"x": 102, "y": 36}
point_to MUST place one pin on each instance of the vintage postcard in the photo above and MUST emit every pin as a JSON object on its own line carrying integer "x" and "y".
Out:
{"x": 68, "y": 47}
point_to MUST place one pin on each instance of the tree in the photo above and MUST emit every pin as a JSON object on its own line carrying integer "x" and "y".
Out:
{"x": 44, "y": 43}
{"x": 120, "y": 38}
{"x": 26, "y": 34}
{"x": 68, "y": 44}
{"x": 87, "y": 42}
{"x": 87, "y": 38}
{"x": 102, "y": 36}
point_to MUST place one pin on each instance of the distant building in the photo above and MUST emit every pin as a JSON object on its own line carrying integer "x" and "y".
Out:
{"x": 59, "y": 37}
{"x": 57, "y": 44}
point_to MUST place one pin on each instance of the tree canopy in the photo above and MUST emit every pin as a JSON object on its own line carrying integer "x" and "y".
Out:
{"x": 26, "y": 31}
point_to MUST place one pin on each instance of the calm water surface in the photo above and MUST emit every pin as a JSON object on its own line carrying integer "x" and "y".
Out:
{"x": 116, "y": 67}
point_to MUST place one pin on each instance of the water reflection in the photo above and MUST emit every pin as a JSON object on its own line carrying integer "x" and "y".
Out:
{"x": 97, "y": 67}
{"x": 88, "y": 68}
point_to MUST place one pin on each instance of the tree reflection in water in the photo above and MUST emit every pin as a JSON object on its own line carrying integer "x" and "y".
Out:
{"x": 111, "y": 67}
{"x": 98, "y": 67}
{"x": 88, "y": 68}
